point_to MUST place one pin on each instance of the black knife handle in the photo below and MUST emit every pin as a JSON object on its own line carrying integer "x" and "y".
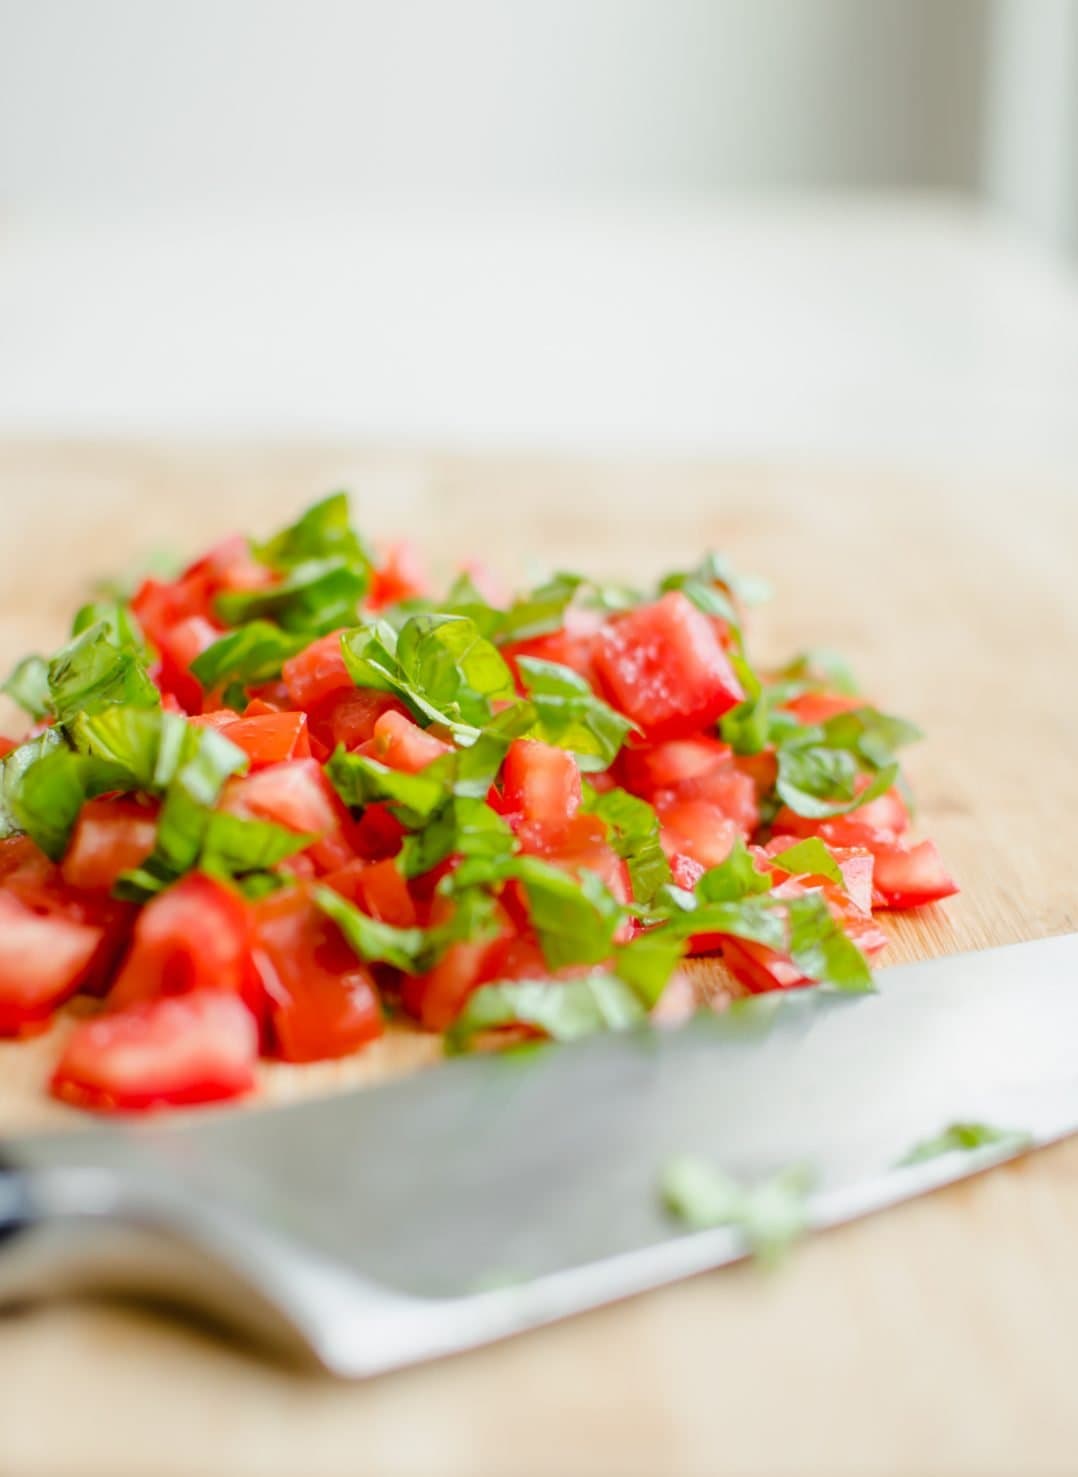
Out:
{"x": 16, "y": 1210}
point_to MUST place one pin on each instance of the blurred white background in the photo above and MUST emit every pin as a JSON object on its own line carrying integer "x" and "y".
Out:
{"x": 739, "y": 226}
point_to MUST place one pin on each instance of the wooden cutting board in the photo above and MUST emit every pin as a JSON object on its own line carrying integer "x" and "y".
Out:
{"x": 940, "y": 1337}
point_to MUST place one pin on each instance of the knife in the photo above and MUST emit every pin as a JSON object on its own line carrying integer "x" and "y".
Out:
{"x": 394, "y": 1224}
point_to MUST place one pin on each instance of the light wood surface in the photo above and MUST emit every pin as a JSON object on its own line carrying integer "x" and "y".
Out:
{"x": 941, "y": 1337}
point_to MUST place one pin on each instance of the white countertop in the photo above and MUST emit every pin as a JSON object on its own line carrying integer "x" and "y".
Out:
{"x": 909, "y": 329}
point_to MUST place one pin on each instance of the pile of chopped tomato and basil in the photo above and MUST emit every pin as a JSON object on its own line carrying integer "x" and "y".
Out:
{"x": 269, "y": 804}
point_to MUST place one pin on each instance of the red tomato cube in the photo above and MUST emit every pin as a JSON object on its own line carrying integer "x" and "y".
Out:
{"x": 664, "y": 666}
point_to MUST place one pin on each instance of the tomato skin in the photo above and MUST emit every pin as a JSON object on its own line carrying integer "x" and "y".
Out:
{"x": 908, "y": 877}
{"x": 400, "y": 576}
{"x": 44, "y": 958}
{"x": 269, "y": 738}
{"x": 177, "y": 647}
{"x": 759, "y": 968}
{"x": 378, "y": 889}
{"x": 436, "y": 998}
{"x": 321, "y": 999}
{"x": 541, "y": 784}
{"x": 195, "y": 935}
{"x": 649, "y": 768}
{"x": 817, "y": 707}
{"x": 697, "y": 829}
{"x": 573, "y": 646}
{"x": 348, "y": 716}
{"x": 879, "y": 823}
{"x": 316, "y": 672}
{"x": 195, "y": 1048}
{"x": 664, "y": 666}
{"x": 110, "y": 837}
{"x": 297, "y": 795}
{"x": 403, "y": 745}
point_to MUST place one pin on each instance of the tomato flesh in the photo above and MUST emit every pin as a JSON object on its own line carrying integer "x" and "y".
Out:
{"x": 195, "y": 1048}
{"x": 110, "y": 837}
{"x": 909, "y": 877}
{"x": 664, "y": 666}
{"x": 321, "y": 999}
{"x": 44, "y": 958}
{"x": 195, "y": 935}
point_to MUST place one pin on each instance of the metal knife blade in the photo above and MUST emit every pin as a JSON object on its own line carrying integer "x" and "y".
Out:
{"x": 392, "y": 1224}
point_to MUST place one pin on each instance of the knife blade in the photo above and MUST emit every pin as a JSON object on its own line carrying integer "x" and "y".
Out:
{"x": 495, "y": 1193}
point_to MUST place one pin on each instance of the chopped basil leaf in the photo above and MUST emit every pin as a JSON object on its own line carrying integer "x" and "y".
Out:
{"x": 564, "y": 1010}
{"x": 250, "y": 655}
{"x": 963, "y": 1138}
{"x": 734, "y": 878}
{"x": 93, "y": 672}
{"x": 46, "y": 802}
{"x": 817, "y": 783}
{"x": 360, "y": 780}
{"x": 441, "y": 666}
{"x": 770, "y": 1215}
{"x": 540, "y": 611}
{"x": 571, "y": 716}
{"x": 314, "y": 598}
{"x": 158, "y": 564}
{"x": 634, "y": 835}
{"x": 747, "y": 727}
{"x": 13, "y": 769}
{"x": 28, "y": 685}
{"x": 822, "y": 949}
{"x": 324, "y": 531}
{"x": 810, "y": 858}
{"x": 819, "y": 667}
{"x": 575, "y": 918}
{"x": 647, "y": 962}
{"x": 455, "y": 669}
{"x": 466, "y": 826}
{"x": 373, "y": 941}
{"x": 205, "y": 761}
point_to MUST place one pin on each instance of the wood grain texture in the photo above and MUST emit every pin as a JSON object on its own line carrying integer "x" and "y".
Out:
{"x": 937, "y": 1338}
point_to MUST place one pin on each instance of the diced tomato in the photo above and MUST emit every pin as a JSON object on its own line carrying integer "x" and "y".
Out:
{"x": 857, "y": 866}
{"x": 686, "y": 872}
{"x": 297, "y": 795}
{"x": 7, "y": 744}
{"x": 907, "y": 877}
{"x": 435, "y": 999}
{"x": 402, "y": 744}
{"x": 194, "y": 935}
{"x": 23, "y": 863}
{"x": 316, "y": 671}
{"x": 110, "y": 837}
{"x": 43, "y": 959}
{"x": 348, "y": 715}
{"x": 759, "y": 968}
{"x": 270, "y": 738}
{"x": 584, "y": 846}
{"x": 761, "y": 768}
{"x": 818, "y": 707}
{"x": 881, "y": 822}
{"x": 178, "y": 646}
{"x": 322, "y": 1001}
{"x": 541, "y": 784}
{"x": 377, "y": 834}
{"x": 572, "y": 645}
{"x": 400, "y": 576}
{"x": 664, "y": 666}
{"x": 649, "y": 768}
{"x": 378, "y": 889}
{"x": 698, "y": 829}
{"x": 195, "y": 1048}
